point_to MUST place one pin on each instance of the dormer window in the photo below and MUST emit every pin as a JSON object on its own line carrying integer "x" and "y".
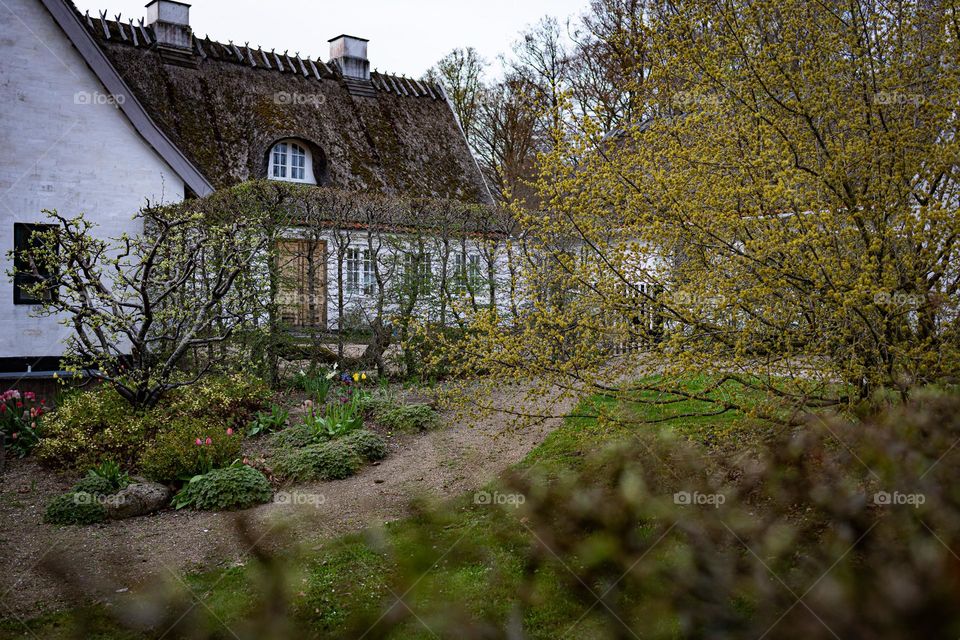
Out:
{"x": 292, "y": 162}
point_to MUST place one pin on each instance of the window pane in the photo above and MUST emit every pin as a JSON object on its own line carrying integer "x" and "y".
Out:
{"x": 298, "y": 162}
{"x": 280, "y": 160}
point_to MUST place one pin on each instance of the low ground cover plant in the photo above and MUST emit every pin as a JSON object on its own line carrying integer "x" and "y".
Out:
{"x": 235, "y": 487}
{"x": 75, "y": 507}
{"x": 408, "y": 418}
{"x": 331, "y": 460}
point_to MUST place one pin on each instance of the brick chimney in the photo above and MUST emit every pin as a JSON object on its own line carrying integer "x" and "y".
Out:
{"x": 350, "y": 54}
{"x": 171, "y": 23}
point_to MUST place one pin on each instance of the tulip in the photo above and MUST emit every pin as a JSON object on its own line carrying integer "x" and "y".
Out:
{"x": 229, "y": 431}
{"x": 14, "y": 435}
{"x": 199, "y": 442}
{"x": 209, "y": 441}
{"x": 356, "y": 377}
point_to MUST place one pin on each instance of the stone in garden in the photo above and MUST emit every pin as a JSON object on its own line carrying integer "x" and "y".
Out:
{"x": 137, "y": 499}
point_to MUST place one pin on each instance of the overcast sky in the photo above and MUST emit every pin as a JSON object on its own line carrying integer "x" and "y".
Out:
{"x": 406, "y": 36}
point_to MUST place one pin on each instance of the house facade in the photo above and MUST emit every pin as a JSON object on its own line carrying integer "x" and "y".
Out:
{"x": 100, "y": 116}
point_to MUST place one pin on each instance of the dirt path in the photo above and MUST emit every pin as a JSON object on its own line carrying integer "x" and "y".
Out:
{"x": 120, "y": 557}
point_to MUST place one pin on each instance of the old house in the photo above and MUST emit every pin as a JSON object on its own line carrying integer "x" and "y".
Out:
{"x": 100, "y": 115}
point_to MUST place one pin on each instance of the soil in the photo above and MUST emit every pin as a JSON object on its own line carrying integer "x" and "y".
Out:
{"x": 113, "y": 560}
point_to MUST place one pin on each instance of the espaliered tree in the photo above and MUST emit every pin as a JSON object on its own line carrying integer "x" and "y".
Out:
{"x": 777, "y": 207}
{"x": 140, "y": 305}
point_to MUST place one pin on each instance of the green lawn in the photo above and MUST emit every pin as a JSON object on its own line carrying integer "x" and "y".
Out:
{"x": 462, "y": 560}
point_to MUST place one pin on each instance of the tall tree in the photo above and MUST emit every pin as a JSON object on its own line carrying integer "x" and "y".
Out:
{"x": 460, "y": 72}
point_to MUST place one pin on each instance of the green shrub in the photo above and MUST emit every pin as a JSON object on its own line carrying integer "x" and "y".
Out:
{"x": 324, "y": 461}
{"x": 228, "y": 400}
{"x": 408, "y": 417}
{"x": 235, "y": 487}
{"x": 94, "y": 485}
{"x": 366, "y": 444}
{"x": 75, "y": 508}
{"x": 174, "y": 453}
{"x": 295, "y": 436}
{"x": 88, "y": 426}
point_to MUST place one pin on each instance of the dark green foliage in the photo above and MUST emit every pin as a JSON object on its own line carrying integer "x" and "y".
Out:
{"x": 323, "y": 461}
{"x": 264, "y": 422}
{"x": 408, "y": 417}
{"x": 75, "y": 508}
{"x": 175, "y": 454}
{"x": 296, "y": 436}
{"x": 95, "y": 485}
{"x": 366, "y": 444}
{"x": 235, "y": 487}
{"x": 112, "y": 473}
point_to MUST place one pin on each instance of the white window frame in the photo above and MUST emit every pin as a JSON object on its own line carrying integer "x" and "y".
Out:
{"x": 291, "y": 161}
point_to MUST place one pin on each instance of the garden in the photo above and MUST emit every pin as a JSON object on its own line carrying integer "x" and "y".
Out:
{"x": 226, "y": 443}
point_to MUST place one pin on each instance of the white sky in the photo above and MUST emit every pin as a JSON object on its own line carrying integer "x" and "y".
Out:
{"x": 406, "y": 37}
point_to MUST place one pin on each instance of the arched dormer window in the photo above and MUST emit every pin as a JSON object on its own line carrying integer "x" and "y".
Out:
{"x": 291, "y": 161}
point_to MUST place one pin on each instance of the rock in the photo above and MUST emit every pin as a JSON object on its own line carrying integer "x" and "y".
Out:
{"x": 137, "y": 499}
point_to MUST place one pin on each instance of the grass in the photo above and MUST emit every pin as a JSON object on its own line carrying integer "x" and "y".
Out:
{"x": 464, "y": 558}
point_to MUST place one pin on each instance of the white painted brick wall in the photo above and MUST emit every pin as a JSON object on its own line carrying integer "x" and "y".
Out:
{"x": 65, "y": 147}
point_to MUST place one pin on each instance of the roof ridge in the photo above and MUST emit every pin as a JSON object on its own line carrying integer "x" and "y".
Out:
{"x": 141, "y": 36}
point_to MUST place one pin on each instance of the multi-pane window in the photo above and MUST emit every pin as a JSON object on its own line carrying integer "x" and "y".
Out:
{"x": 467, "y": 270}
{"x": 291, "y": 162}
{"x": 360, "y": 272}
{"x": 417, "y": 273}
{"x": 26, "y": 272}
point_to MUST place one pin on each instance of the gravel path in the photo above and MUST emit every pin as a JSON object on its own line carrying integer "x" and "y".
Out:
{"x": 122, "y": 557}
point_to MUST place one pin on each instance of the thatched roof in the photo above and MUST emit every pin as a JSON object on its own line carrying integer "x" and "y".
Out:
{"x": 224, "y": 105}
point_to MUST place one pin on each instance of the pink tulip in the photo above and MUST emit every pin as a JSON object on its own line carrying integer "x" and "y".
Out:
{"x": 199, "y": 442}
{"x": 209, "y": 441}
{"x": 14, "y": 435}
{"x": 229, "y": 431}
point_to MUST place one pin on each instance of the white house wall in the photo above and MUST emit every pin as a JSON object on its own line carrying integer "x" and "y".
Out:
{"x": 66, "y": 146}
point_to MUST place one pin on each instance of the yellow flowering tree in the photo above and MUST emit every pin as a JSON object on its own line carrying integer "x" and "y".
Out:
{"x": 780, "y": 211}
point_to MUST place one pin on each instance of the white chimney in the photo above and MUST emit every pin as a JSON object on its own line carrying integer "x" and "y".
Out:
{"x": 171, "y": 23}
{"x": 350, "y": 54}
